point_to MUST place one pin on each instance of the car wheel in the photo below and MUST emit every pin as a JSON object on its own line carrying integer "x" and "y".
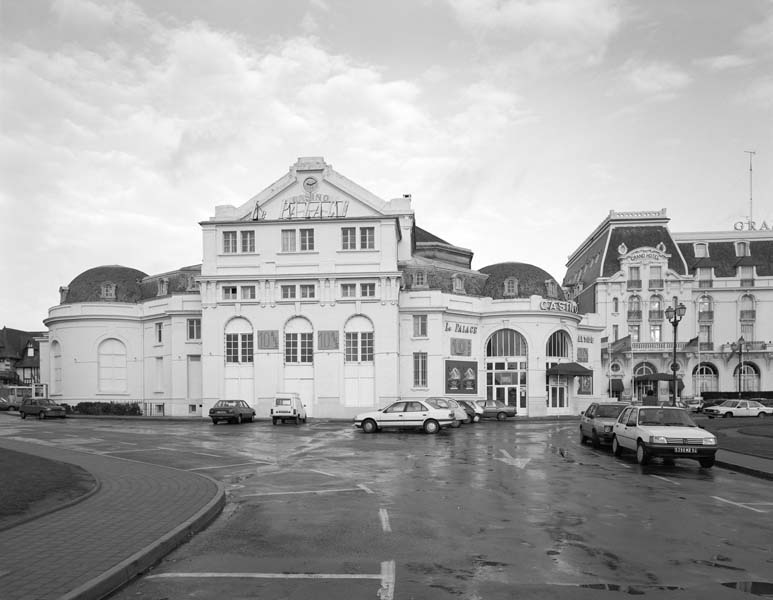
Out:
{"x": 304, "y": 419}
{"x": 641, "y": 454}
{"x": 761, "y": 415}
{"x": 456, "y": 424}
{"x": 501, "y": 416}
{"x": 214, "y": 421}
{"x": 297, "y": 420}
{"x": 595, "y": 441}
{"x": 727, "y": 414}
{"x": 41, "y": 415}
{"x": 582, "y": 436}
{"x": 431, "y": 426}
{"x": 273, "y": 421}
{"x": 616, "y": 448}
{"x": 706, "y": 463}
{"x": 23, "y": 415}
{"x": 468, "y": 420}
{"x": 369, "y": 426}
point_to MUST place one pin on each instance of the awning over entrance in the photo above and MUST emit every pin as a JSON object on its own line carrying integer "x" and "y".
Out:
{"x": 616, "y": 385}
{"x": 572, "y": 368}
{"x": 654, "y": 377}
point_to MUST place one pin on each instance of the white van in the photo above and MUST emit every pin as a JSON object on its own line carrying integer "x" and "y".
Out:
{"x": 288, "y": 407}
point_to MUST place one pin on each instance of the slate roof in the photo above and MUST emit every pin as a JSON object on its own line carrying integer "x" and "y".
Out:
{"x": 87, "y": 287}
{"x": 531, "y": 280}
{"x": 638, "y": 236}
{"x": 723, "y": 259}
{"x": 423, "y": 236}
{"x": 13, "y": 342}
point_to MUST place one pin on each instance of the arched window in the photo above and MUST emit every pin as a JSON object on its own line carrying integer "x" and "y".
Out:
{"x": 644, "y": 368}
{"x": 56, "y": 367}
{"x": 615, "y": 305}
{"x": 511, "y": 287}
{"x": 506, "y": 342}
{"x": 358, "y": 340}
{"x": 239, "y": 341}
{"x": 634, "y": 303}
{"x": 749, "y": 375}
{"x": 705, "y": 378}
{"x": 111, "y": 358}
{"x": 656, "y": 308}
{"x": 558, "y": 345}
{"x": 705, "y": 308}
{"x": 299, "y": 341}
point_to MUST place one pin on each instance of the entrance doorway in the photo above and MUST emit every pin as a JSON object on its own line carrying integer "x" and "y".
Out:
{"x": 506, "y": 368}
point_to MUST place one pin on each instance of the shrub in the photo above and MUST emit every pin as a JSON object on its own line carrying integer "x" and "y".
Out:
{"x": 108, "y": 408}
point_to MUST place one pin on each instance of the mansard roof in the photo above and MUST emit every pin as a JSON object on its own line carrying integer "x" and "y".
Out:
{"x": 531, "y": 281}
{"x": 722, "y": 257}
{"x": 87, "y": 287}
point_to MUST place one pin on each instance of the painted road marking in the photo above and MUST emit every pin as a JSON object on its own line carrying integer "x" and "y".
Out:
{"x": 384, "y": 516}
{"x": 230, "y": 466}
{"x": 740, "y": 504}
{"x": 366, "y": 489}
{"x": 666, "y": 479}
{"x": 386, "y": 576}
{"x": 335, "y": 491}
{"x": 511, "y": 460}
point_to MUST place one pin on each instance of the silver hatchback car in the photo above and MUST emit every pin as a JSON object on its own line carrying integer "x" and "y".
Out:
{"x": 598, "y": 420}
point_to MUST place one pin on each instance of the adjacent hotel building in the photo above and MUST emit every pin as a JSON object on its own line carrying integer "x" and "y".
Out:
{"x": 319, "y": 287}
{"x": 631, "y": 269}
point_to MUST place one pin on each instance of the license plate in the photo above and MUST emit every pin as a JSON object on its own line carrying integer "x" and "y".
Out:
{"x": 686, "y": 450}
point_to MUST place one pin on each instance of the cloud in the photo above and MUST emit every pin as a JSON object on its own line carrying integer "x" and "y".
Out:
{"x": 658, "y": 80}
{"x": 552, "y": 30}
{"x": 725, "y": 62}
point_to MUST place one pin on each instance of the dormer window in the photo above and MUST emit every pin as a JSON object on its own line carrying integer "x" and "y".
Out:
{"x": 419, "y": 279}
{"x": 163, "y": 287}
{"x": 458, "y": 284}
{"x": 511, "y": 287}
{"x": 701, "y": 250}
{"x": 108, "y": 290}
{"x": 191, "y": 283}
{"x": 551, "y": 288}
{"x": 30, "y": 349}
{"x": 742, "y": 249}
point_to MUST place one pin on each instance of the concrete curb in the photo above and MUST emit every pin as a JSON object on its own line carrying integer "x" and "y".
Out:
{"x": 744, "y": 470}
{"x": 122, "y": 573}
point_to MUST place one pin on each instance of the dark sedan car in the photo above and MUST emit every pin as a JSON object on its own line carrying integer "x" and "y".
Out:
{"x": 496, "y": 409}
{"x": 233, "y": 411}
{"x": 42, "y": 408}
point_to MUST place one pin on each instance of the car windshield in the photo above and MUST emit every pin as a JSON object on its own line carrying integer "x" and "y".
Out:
{"x": 664, "y": 416}
{"x": 609, "y": 412}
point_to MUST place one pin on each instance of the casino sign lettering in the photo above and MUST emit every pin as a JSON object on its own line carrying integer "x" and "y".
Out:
{"x": 558, "y": 305}
{"x": 308, "y": 206}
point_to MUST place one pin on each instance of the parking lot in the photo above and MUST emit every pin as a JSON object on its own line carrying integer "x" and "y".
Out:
{"x": 321, "y": 510}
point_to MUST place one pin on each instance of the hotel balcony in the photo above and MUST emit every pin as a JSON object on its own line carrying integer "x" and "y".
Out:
{"x": 747, "y": 283}
{"x": 656, "y": 315}
{"x": 634, "y": 315}
{"x": 656, "y": 284}
{"x": 706, "y": 315}
{"x": 705, "y": 283}
{"x": 633, "y": 284}
{"x": 748, "y": 315}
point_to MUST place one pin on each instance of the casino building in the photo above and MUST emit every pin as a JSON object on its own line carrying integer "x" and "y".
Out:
{"x": 319, "y": 287}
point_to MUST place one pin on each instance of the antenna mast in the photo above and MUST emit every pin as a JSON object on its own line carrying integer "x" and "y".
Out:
{"x": 751, "y": 154}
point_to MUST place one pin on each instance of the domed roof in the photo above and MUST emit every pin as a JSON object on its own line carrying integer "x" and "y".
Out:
{"x": 88, "y": 286}
{"x": 530, "y": 280}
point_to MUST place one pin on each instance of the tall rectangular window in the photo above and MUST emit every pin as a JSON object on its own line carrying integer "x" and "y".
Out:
{"x": 358, "y": 346}
{"x": 229, "y": 292}
{"x": 655, "y": 333}
{"x": 231, "y": 347}
{"x": 348, "y": 238}
{"x": 248, "y": 292}
{"x": 747, "y": 331}
{"x": 288, "y": 292}
{"x": 159, "y": 333}
{"x": 194, "y": 329}
{"x": 419, "y": 325}
{"x": 288, "y": 240}
{"x": 615, "y": 332}
{"x": 248, "y": 241}
{"x": 307, "y": 240}
{"x": 419, "y": 369}
{"x": 247, "y": 347}
{"x": 299, "y": 347}
{"x": 229, "y": 242}
{"x": 348, "y": 290}
{"x": 634, "y": 331}
{"x": 307, "y": 290}
{"x": 368, "y": 290}
{"x": 366, "y": 346}
{"x": 351, "y": 347}
{"x": 367, "y": 238}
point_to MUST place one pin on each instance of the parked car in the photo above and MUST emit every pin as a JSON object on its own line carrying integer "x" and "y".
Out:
{"x": 42, "y": 408}
{"x": 441, "y": 402}
{"x": 473, "y": 409}
{"x": 5, "y": 404}
{"x": 288, "y": 407}
{"x": 496, "y": 409}
{"x": 406, "y": 414}
{"x": 597, "y": 421}
{"x": 233, "y": 411}
{"x": 694, "y": 404}
{"x": 710, "y": 402}
{"x": 662, "y": 431}
{"x": 739, "y": 408}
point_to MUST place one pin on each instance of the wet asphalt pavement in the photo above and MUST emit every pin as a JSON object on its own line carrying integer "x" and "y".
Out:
{"x": 491, "y": 510}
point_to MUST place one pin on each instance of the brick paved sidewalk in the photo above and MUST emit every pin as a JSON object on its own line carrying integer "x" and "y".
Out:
{"x": 139, "y": 514}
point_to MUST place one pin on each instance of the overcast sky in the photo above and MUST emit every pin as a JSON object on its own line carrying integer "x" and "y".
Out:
{"x": 517, "y": 125}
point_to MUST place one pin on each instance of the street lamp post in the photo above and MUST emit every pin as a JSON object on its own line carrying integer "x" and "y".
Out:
{"x": 674, "y": 315}
{"x": 739, "y": 347}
